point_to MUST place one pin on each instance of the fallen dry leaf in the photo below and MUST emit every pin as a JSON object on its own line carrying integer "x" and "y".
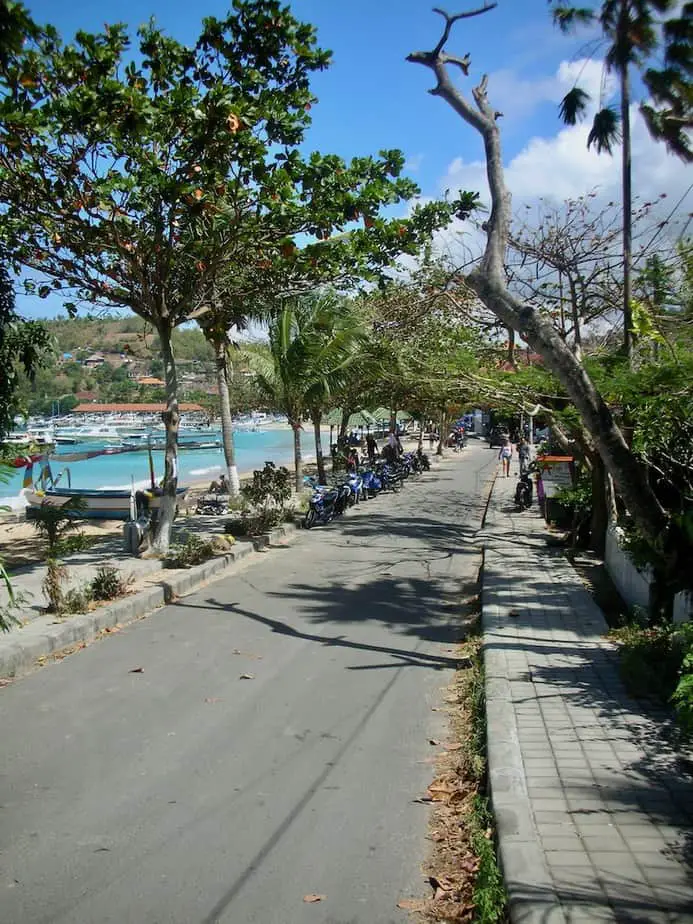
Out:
{"x": 212, "y": 699}
{"x": 311, "y": 898}
{"x": 434, "y": 742}
{"x": 411, "y": 904}
{"x": 136, "y": 670}
{"x": 247, "y": 677}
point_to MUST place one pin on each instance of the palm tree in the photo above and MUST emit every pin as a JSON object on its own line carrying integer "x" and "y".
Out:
{"x": 630, "y": 29}
{"x": 216, "y": 331}
{"x": 313, "y": 342}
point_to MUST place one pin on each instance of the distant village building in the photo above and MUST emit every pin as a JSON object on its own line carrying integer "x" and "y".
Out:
{"x": 150, "y": 380}
{"x": 96, "y": 359}
{"x": 86, "y": 395}
{"x": 133, "y": 408}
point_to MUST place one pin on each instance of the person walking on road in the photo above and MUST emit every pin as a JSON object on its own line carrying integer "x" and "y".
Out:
{"x": 505, "y": 455}
{"x": 523, "y": 455}
{"x": 372, "y": 447}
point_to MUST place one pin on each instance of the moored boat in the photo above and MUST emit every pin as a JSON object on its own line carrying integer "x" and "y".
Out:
{"x": 94, "y": 504}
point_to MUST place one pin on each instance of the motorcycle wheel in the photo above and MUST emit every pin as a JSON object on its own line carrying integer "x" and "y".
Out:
{"x": 309, "y": 518}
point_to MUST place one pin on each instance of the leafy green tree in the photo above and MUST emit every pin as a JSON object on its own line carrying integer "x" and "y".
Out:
{"x": 630, "y": 30}
{"x": 311, "y": 347}
{"x": 24, "y": 346}
{"x": 115, "y": 174}
{"x": 144, "y": 181}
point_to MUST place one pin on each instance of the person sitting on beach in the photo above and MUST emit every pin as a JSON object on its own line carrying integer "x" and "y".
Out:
{"x": 223, "y": 485}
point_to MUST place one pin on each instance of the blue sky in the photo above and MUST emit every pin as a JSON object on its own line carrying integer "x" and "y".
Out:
{"x": 371, "y": 98}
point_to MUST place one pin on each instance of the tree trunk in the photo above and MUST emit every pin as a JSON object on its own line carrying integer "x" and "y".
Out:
{"x": 222, "y": 363}
{"x": 171, "y": 418}
{"x": 627, "y": 209}
{"x": 600, "y": 507}
{"x": 421, "y": 432}
{"x": 298, "y": 456}
{"x": 316, "y": 417}
{"x": 346, "y": 414}
{"x": 575, "y": 308}
{"x": 440, "y": 451}
{"x": 511, "y": 348}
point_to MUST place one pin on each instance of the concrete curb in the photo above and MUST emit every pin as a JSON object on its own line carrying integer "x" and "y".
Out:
{"x": 42, "y": 637}
{"x": 532, "y": 898}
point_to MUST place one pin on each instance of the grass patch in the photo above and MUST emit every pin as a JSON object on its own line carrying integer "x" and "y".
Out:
{"x": 490, "y": 897}
{"x": 463, "y": 870}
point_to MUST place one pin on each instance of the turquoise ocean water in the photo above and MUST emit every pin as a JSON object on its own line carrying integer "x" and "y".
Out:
{"x": 252, "y": 449}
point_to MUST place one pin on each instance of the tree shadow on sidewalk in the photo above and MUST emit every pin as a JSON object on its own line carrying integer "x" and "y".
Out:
{"x": 649, "y": 773}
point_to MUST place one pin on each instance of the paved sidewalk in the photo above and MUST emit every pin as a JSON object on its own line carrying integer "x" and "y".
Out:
{"x": 594, "y": 808}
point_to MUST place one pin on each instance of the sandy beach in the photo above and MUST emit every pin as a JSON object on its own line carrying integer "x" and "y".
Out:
{"x": 20, "y": 544}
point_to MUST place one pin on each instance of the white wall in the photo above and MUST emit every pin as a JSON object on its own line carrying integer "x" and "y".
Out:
{"x": 634, "y": 585}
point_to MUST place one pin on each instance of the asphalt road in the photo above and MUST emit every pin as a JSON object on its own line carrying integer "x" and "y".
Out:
{"x": 142, "y": 781}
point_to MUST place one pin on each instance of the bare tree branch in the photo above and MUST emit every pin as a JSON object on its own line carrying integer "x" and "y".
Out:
{"x": 488, "y": 281}
{"x": 451, "y": 20}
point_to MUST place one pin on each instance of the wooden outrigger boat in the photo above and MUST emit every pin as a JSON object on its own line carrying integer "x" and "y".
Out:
{"x": 90, "y": 503}
{"x": 97, "y": 504}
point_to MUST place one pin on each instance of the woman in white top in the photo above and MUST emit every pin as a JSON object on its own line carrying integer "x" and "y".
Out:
{"x": 505, "y": 455}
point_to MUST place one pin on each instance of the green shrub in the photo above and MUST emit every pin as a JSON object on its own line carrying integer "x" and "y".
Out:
{"x": 270, "y": 487}
{"x": 107, "y": 584}
{"x": 69, "y": 545}
{"x": 9, "y": 610}
{"x": 192, "y": 551}
{"x": 683, "y": 695}
{"x": 52, "y": 586}
{"x": 76, "y": 600}
{"x": 262, "y": 521}
{"x": 657, "y": 662}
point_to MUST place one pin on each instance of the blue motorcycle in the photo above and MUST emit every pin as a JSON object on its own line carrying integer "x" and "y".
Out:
{"x": 356, "y": 490}
{"x": 323, "y": 506}
{"x": 372, "y": 484}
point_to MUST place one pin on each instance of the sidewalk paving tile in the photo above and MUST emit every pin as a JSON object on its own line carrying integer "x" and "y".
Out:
{"x": 611, "y": 811}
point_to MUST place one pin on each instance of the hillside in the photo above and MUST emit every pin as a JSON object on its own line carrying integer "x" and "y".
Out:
{"x": 111, "y": 360}
{"x": 129, "y": 335}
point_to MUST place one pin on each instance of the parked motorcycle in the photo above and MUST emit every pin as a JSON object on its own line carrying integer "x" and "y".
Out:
{"x": 212, "y": 506}
{"x": 424, "y": 461}
{"x": 355, "y": 482}
{"x": 322, "y": 506}
{"x": 524, "y": 491}
{"x": 372, "y": 484}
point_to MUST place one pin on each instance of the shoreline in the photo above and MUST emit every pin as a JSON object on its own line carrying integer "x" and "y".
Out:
{"x": 20, "y": 544}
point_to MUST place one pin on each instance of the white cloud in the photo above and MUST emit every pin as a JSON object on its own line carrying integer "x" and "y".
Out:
{"x": 413, "y": 162}
{"x": 517, "y": 97}
{"x": 561, "y": 167}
